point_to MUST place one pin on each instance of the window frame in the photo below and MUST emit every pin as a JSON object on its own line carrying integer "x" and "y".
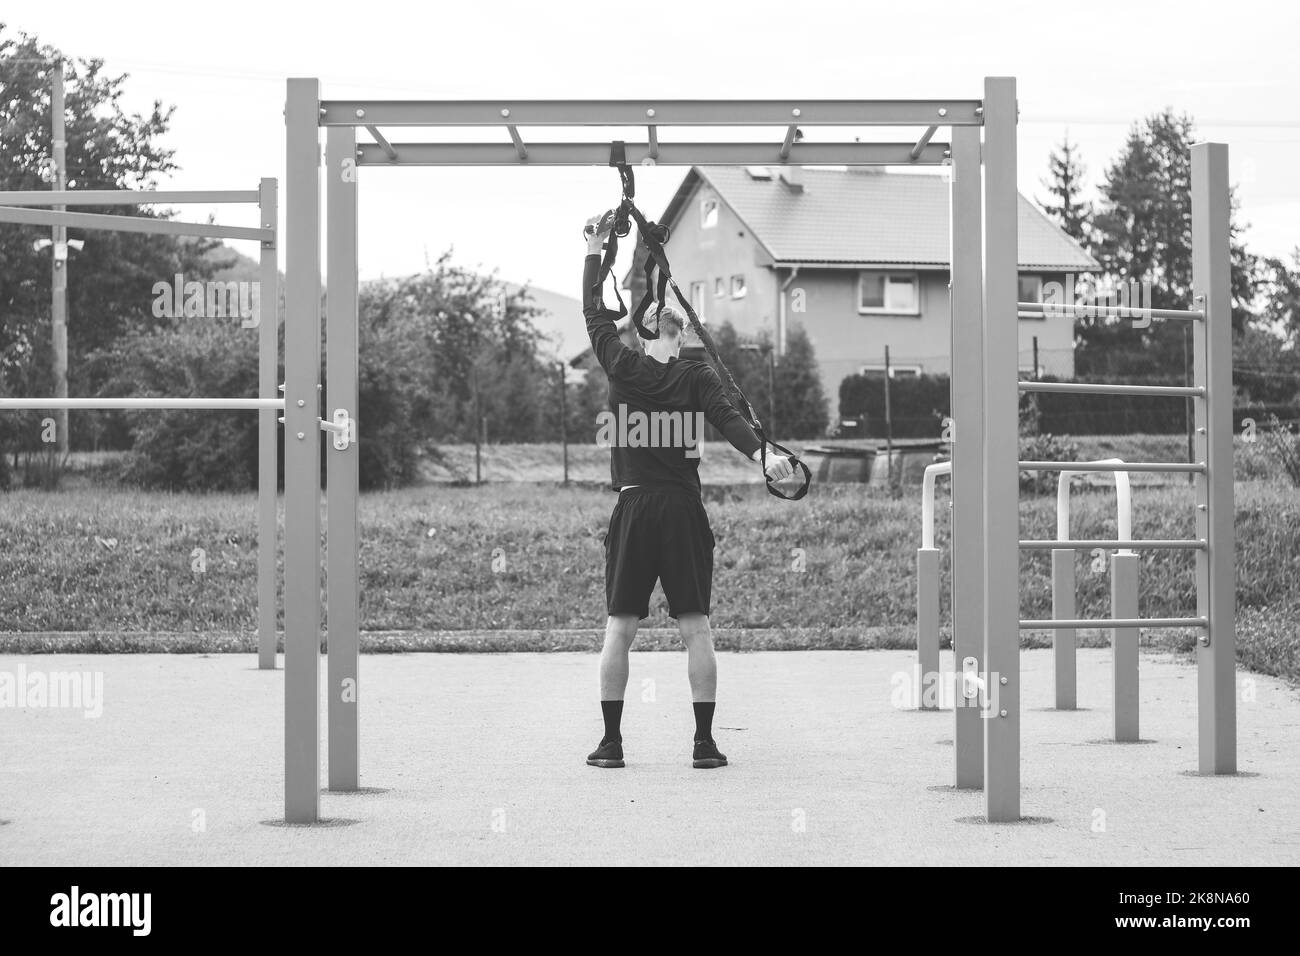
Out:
{"x": 705, "y": 203}
{"x": 744, "y": 286}
{"x": 890, "y": 274}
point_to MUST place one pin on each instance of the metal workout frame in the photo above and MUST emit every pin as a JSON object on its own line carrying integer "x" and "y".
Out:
{"x": 265, "y": 198}
{"x": 984, "y": 376}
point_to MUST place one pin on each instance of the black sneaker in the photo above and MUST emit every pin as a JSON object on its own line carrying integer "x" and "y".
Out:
{"x": 707, "y": 756}
{"x": 608, "y": 754}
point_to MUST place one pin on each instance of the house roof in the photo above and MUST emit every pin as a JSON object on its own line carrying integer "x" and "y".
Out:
{"x": 905, "y": 220}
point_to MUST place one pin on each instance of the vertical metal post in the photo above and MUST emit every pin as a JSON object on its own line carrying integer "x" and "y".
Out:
{"x": 268, "y": 451}
{"x": 59, "y": 257}
{"x": 1215, "y": 595}
{"x": 927, "y": 628}
{"x": 967, "y": 404}
{"x": 1124, "y": 646}
{"x": 1001, "y": 553}
{"x": 341, "y": 478}
{"x": 1064, "y": 675}
{"x": 302, "y": 569}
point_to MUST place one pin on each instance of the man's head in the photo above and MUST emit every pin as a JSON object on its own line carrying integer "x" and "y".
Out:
{"x": 669, "y": 323}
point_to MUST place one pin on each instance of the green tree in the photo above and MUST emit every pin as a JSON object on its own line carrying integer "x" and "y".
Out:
{"x": 111, "y": 280}
{"x": 1143, "y": 233}
{"x": 1064, "y": 187}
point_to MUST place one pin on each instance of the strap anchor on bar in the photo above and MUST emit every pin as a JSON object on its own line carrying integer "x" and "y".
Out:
{"x": 923, "y": 141}
{"x": 384, "y": 144}
{"x": 520, "y": 148}
{"x": 344, "y": 428}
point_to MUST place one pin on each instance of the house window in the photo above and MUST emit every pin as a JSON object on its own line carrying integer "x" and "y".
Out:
{"x": 894, "y": 293}
{"x": 719, "y": 287}
{"x": 708, "y": 213}
{"x": 738, "y": 287}
{"x": 1030, "y": 289}
{"x": 895, "y": 371}
{"x": 697, "y": 296}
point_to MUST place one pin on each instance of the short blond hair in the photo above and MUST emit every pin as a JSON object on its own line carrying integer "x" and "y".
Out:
{"x": 671, "y": 322}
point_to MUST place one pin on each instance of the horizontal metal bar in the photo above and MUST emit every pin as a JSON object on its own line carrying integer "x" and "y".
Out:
{"x": 212, "y": 404}
{"x": 1119, "y": 311}
{"x": 384, "y": 144}
{"x": 1071, "y": 623}
{"x": 925, "y": 138}
{"x": 669, "y": 154}
{"x": 167, "y": 227}
{"x": 123, "y": 197}
{"x": 1151, "y": 466}
{"x": 1082, "y": 388}
{"x": 1122, "y": 545}
{"x": 661, "y": 112}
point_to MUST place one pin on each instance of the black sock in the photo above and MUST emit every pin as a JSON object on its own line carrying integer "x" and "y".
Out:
{"x": 612, "y": 710}
{"x": 704, "y": 719}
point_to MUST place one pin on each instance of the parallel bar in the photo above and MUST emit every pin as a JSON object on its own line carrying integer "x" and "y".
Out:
{"x": 1064, "y": 663}
{"x": 1113, "y": 622}
{"x": 665, "y": 154}
{"x": 1149, "y": 466}
{"x": 1124, "y": 647}
{"x": 167, "y": 227}
{"x": 341, "y": 479}
{"x": 925, "y": 138}
{"x": 1083, "y": 388}
{"x": 126, "y": 197}
{"x": 1212, "y": 365}
{"x": 382, "y": 141}
{"x": 1000, "y": 557}
{"x": 520, "y": 149}
{"x": 967, "y": 403}
{"x": 1087, "y": 544}
{"x": 208, "y": 404}
{"x": 636, "y": 112}
{"x": 1115, "y": 311}
{"x": 268, "y": 438}
{"x": 302, "y": 570}
{"x": 788, "y": 142}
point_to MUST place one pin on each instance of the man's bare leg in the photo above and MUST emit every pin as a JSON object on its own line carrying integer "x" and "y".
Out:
{"x": 620, "y": 632}
{"x": 702, "y": 669}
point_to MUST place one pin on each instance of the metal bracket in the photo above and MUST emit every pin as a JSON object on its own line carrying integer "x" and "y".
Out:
{"x": 971, "y": 683}
{"x": 344, "y": 428}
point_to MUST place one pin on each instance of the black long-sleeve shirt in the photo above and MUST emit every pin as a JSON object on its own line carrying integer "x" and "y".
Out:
{"x": 641, "y": 388}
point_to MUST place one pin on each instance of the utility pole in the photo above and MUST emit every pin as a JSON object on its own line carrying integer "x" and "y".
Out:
{"x": 889, "y": 423}
{"x": 564, "y": 426}
{"x": 771, "y": 390}
{"x": 59, "y": 276}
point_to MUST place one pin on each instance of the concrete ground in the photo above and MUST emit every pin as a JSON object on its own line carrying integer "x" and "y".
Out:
{"x": 478, "y": 759}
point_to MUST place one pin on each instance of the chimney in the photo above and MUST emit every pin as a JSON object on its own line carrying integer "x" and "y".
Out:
{"x": 792, "y": 178}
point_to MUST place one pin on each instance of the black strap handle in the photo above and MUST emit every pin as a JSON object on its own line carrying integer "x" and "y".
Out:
{"x": 772, "y": 489}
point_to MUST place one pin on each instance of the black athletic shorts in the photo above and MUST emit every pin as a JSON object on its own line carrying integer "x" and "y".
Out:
{"x": 658, "y": 533}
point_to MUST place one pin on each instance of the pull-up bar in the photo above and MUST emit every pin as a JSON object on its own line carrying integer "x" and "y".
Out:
{"x": 662, "y": 154}
{"x": 126, "y": 197}
{"x": 86, "y": 220}
{"x": 662, "y": 112}
{"x": 209, "y": 404}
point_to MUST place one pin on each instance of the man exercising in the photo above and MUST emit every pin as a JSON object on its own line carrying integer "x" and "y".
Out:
{"x": 659, "y": 530}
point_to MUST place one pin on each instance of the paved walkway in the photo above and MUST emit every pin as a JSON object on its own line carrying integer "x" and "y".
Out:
{"x": 478, "y": 759}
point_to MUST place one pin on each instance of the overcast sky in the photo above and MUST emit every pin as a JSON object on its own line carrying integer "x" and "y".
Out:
{"x": 1092, "y": 68}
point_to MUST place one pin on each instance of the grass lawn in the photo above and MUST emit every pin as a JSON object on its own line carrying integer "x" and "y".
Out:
{"x": 519, "y": 565}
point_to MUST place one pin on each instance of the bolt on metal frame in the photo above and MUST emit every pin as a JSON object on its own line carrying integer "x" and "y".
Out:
{"x": 984, "y": 376}
{"x": 13, "y": 209}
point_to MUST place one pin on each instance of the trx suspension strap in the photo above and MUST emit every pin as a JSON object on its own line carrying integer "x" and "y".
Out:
{"x": 653, "y": 236}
